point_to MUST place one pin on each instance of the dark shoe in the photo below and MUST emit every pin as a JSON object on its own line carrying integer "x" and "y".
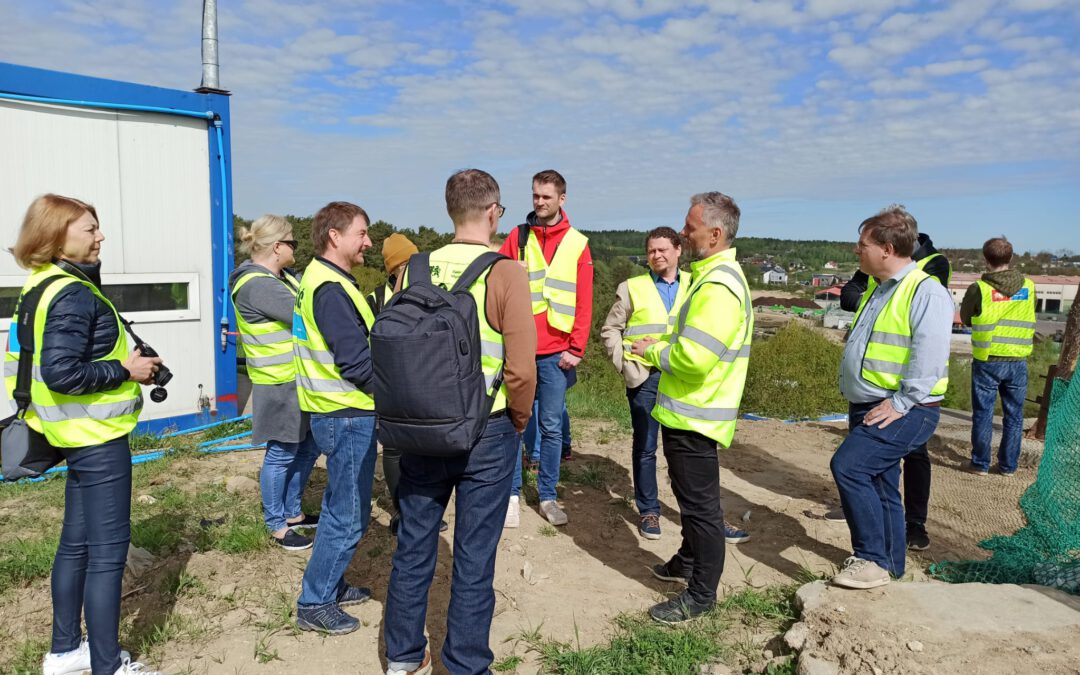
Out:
{"x": 443, "y": 526}
{"x": 734, "y": 535}
{"x": 650, "y": 526}
{"x": 567, "y": 453}
{"x": 835, "y": 515}
{"x": 353, "y": 595}
{"x": 917, "y": 539}
{"x": 309, "y": 521}
{"x": 293, "y": 541}
{"x": 679, "y": 609}
{"x": 664, "y": 572}
{"x": 326, "y": 618}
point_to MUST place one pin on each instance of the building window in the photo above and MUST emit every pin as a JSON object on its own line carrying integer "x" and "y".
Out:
{"x": 148, "y": 297}
{"x": 145, "y": 298}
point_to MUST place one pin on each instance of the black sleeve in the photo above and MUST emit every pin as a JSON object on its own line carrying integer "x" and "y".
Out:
{"x": 345, "y": 334}
{"x": 971, "y": 304}
{"x": 939, "y": 267}
{"x": 852, "y": 291}
{"x": 66, "y": 365}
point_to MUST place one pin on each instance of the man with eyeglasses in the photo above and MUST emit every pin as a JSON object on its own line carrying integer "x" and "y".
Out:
{"x": 560, "y": 269}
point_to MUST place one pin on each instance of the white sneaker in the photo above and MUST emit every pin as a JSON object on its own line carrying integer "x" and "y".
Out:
{"x": 862, "y": 574}
{"x": 129, "y": 667}
{"x": 75, "y": 661}
{"x": 513, "y": 513}
{"x": 555, "y": 515}
{"x": 425, "y": 666}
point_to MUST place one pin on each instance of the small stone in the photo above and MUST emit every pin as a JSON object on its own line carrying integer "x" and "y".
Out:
{"x": 146, "y": 499}
{"x": 227, "y": 590}
{"x": 527, "y": 573}
{"x": 797, "y": 635}
{"x": 810, "y": 595}
{"x": 915, "y": 646}
{"x": 876, "y": 670}
{"x": 812, "y": 665}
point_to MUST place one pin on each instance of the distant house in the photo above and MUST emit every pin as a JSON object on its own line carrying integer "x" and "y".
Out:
{"x": 824, "y": 280}
{"x": 831, "y": 265}
{"x": 774, "y": 275}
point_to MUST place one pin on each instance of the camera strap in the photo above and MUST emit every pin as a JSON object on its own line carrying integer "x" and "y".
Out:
{"x": 27, "y": 312}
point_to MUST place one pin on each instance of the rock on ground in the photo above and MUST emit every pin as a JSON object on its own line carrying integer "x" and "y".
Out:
{"x": 933, "y": 627}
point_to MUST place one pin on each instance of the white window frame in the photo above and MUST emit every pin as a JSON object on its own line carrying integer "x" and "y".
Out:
{"x": 192, "y": 313}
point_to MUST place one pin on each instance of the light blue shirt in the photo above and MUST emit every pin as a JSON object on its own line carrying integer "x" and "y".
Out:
{"x": 668, "y": 290}
{"x": 931, "y": 315}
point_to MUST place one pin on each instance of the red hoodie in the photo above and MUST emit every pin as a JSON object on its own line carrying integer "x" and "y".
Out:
{"x": 552, "y": 340}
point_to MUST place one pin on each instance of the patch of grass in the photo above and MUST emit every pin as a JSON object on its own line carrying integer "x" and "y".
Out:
{"x": 28, "y": 655}
{"x": 229, "y": 429}
{"x": 240, "y": 534}
{"x": 793, "y": 374}
{"x": 23, "y": 560}
{"x": 158, "y": 533}
{"x": 592, "y": 474}
{"x": 181, "y": 584}
{"x": 600, "y": 392}
{"x": 547, "y": 531}
{"x": 508, "y": 664}
{"x": 174, "y": 627}
{"x": 788, "y": 667}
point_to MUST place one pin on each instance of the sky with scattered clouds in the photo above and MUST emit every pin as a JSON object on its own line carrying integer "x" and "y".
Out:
{"x": 812, "y": 114}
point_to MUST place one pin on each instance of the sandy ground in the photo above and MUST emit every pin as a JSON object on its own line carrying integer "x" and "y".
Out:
{"x": 775, "y": 482}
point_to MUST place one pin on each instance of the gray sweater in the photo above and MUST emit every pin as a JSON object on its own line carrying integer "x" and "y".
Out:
{"x": 276, "y": 414}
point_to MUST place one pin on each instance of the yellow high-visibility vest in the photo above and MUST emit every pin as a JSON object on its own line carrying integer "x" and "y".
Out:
{"x": 1005, "y": 326}
{"x": 709, "y": 407}
{"x": 554, "y": 286}
{"x": 319, "y": 384}
{"x": 649, "y": 317}
{"x": 67, "y": 420}
{"x": 889, "y": 348}
{"x": 267, "y": 344}
{"x": 447, "y": 265}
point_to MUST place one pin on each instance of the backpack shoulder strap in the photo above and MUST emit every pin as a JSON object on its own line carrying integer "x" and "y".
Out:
{"x": 523, "y": 238}
{"x": 475, "y": 269}
{"x": 419, "y": 269}
{"x": 27, "y": 312}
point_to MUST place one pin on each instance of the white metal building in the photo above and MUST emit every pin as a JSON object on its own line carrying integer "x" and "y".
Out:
{"x": 155, "y": 164}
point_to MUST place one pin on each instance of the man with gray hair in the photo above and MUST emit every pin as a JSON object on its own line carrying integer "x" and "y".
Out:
{"x": 703, "y": 370}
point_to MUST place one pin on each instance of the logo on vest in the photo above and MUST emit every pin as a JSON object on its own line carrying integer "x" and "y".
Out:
{"x": 998, "y": 296}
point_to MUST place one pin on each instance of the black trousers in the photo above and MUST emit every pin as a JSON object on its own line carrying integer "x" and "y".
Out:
{"x": 694, "y": 469}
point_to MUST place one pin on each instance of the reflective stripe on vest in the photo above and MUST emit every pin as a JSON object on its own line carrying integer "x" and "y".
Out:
{"x": 447, "y": 265}
{"x": 553, "y": 287}
{"x": 649, "y": 317}
{"x": 709, "y": 407}
{"x": 72, "y": 421}
{"x": 889, "y": 347}
{"x": 267, "y": 344}
{"x": 320, "y": 387}
{"x": 1005, "y": 326}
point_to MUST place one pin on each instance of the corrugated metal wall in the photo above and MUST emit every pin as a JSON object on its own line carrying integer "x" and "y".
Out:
{"x": 148, "y": 176}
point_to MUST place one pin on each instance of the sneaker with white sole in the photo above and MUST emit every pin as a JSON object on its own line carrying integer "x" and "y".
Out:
{"x": 835, "y": 515}
{"x": 861, "y": 574}
{"x": 129, "y": 667}
{"x": 423, "y": 669}
{"x": 513, "y": 513}
{"x": 734, "y": 535}
{"x": 75, "y": 661}
{"x": 555, "y": 515}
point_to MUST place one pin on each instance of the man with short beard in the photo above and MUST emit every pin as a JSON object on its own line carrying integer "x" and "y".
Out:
{"x": 703, "y": 366}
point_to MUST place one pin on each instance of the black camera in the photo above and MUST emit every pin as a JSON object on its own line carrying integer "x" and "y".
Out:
{"x": 161, "y": 377}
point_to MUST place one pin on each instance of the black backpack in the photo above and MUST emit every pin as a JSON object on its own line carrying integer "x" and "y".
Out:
{"x": 425, "y": 348}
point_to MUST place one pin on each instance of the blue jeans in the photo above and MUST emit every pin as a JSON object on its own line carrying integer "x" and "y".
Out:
{"x": 988, "y": 379}
{"x": 89, "y": 564}
{"x": 285, "y": 471}
{"x": 532, "y": 435}
{"x": 866, "y": 468}
{"x": 642, "y": 398}
{"x": 481, "y": 481}
{"x": 551, "y": 385}
{"x": 349, "y": 446}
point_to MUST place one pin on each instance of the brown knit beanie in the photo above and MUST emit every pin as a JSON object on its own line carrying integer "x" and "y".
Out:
{"x": 396, "y": 249}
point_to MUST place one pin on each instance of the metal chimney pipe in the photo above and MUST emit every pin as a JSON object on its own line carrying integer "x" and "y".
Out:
{"x": 209, "y": 46}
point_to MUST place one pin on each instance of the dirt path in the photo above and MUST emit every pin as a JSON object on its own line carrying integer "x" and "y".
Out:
{"x": 776, "y": 475}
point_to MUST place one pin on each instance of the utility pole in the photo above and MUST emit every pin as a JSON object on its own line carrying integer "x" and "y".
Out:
{"x": 1066, "y": 365}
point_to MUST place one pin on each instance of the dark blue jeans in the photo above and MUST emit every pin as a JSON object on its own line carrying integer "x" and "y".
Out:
{"x": 551, "y": 385}
{"x": 481, "y": 480}
{"x": 532, "y": 434}
{"x": 642, "y": 399}
{"x": 866, "y": 468}
{"x": 988, "y": 379}
{"x": 349, "y": 446}
{"x": 285, "y": 472}
{"x": 89, "y": 565}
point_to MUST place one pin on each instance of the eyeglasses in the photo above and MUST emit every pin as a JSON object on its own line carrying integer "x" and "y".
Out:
{"x": 291, "y": 243}
{"x": 500, "y": 210}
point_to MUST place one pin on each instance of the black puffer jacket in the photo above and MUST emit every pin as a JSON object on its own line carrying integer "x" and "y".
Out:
{"x": 79, "y": 329}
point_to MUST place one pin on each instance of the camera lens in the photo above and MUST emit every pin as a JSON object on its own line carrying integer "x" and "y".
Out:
{"x": 158, "y": 394}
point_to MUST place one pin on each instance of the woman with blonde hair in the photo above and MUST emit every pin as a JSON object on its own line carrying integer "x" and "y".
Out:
{"x": 84, "y": 400}
{"x": 264, "y": 294}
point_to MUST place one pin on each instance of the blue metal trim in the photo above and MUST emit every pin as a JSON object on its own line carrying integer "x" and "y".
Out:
{"x": 22, "y": 82}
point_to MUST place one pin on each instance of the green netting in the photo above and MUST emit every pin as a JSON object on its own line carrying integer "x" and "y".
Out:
{"x": 1047, "y": 550}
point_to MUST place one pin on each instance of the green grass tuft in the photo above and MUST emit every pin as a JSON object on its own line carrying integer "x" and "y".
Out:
{"x": 23, "y": 560}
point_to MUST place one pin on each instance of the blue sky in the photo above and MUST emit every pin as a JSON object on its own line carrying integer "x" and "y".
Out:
{"x": 812, "y": 114}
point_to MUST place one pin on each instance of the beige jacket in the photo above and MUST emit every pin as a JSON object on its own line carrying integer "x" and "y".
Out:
{"x": 611, "y": 334}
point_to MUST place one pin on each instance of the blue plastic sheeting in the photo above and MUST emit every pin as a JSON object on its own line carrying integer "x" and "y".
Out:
{"x": 834, "y": 417}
